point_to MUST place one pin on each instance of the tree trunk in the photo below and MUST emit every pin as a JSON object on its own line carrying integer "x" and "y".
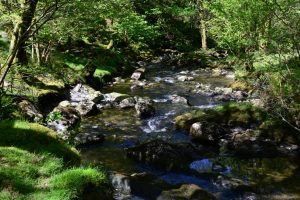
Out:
{"x": 202, "y": 24}
{"x": 17, "y": 51}
{"x": 28, "y": 9}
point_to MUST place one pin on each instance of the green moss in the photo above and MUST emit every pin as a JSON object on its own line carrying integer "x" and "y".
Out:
{"x": 25, "y": 175}
{"x": 186, "y": 120}
{"x": 232, "y": 114}
{"x": 77, "y": 180}
{"x": 36, "y": 138}
{"x": 21, "y": 170}
{"x": 240, "y": 114}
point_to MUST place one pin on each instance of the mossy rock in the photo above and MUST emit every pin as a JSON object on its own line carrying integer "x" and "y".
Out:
{"x": 231, "y": 114}
{"x": 185, "y": 121}
{"x": 187, "y": 192}
{"x": 36, "y": 138}
{"x": 48, "y": 99}
{"x": 240, "y": 114}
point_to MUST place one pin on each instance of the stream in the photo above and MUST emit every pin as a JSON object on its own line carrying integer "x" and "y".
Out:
{"x": 224, "y": 176}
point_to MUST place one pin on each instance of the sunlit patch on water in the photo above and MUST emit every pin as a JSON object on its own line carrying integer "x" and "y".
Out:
{"x": 205, "y": 106}
{"x": 160, "y": 100}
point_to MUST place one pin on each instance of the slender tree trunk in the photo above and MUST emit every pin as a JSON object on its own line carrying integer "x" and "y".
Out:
{"x": 38, "y": 53}
{"x": 20, "y": 34}
{"x": 202, "y": 24}
{"x": 28, "y": 7}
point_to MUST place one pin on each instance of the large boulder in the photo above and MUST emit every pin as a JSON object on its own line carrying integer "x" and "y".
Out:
{"x": 63, "y": 118}
{"x": 166, "y": 155}
{"x": 48, "y": 99}
{"x": 144, "y": 107}
{"x": 85, "y": 93}
{"x": 138, "y": 74}
{"x": 29, "y": 111}
{"x": 229, "y": 115}
{"x": 187, "y": 192}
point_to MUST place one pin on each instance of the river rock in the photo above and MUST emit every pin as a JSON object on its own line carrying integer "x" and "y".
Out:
{"x": 85, "y": 93}
{"x": 114, "y": 97}
{"x": 137, "y": 184}
{"x": 127, "y": 103}
{"x": 136, "y": 87}
{"x": 144, "y": 107}
{"x": 166, "y": 155}
{"x": 187, "y": 192}
{"x": 178, "y": 99}
{"x": 88, "y": 139}
{"x": 206, "y": 132}
{"x": 68, "y": 118}
{"x": 138, "y": 74}
{"x": 87, "y": 108}
{"x": 29, "y": 111}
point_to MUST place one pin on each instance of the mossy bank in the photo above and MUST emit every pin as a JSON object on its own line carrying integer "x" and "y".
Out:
{"x": 34, "y": 164}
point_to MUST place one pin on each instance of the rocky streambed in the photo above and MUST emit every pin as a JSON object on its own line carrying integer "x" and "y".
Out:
{"x": 169, "y": 133}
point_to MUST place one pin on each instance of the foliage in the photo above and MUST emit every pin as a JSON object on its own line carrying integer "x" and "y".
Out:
{"x": 53, "y": 116}
{"x": 7, "y": 106}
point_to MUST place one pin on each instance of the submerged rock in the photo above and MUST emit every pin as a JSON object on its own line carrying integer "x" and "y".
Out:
{"x": 187, "y": 192}
{"x": 144, "y": 107}
{"x": 166, "y": 155}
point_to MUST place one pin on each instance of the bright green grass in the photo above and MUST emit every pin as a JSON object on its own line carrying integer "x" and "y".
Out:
{"x": 36, "y": 138}
{"x": 35, "y": 165}
{"x": 26, "y": 176}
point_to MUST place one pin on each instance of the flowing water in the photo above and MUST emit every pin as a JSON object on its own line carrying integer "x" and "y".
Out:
{"x": 276, "y": 178}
